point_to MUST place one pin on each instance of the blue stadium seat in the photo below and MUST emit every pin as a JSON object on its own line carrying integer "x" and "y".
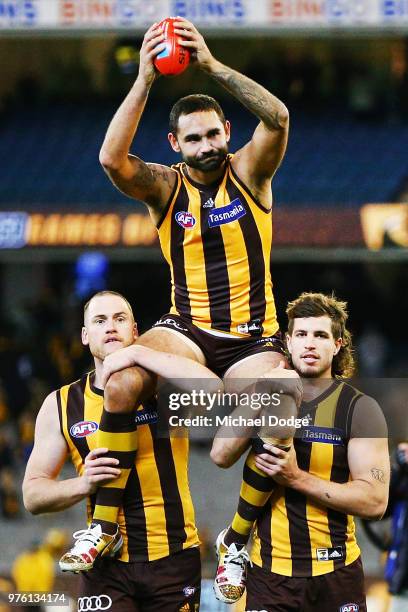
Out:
{"x": 50, "y": 158}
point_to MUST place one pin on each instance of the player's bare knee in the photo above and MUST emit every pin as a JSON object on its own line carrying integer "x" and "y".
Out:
{"x": 289, "y": 389}
{"x": 220, "y": 458}
{"x": 123, "y": 391}
{"x": 280, "y": 419}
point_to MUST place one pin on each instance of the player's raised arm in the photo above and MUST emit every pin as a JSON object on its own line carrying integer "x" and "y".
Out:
{"x": 258, "y": 160}
{"x": 42, "y": 491}
{"x": 151, "y": 183}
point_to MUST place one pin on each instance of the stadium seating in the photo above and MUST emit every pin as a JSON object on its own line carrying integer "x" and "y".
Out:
{"x": 340, "y": 162}
{"x": 50, "y": 158}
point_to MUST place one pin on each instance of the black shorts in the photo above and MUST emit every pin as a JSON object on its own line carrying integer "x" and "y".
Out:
{"x": 171, "y": 584}
{"x": 338, "y": 591}
{"x": 221, "y": 353}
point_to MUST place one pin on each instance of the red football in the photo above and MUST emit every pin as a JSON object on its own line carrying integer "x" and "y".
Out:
{"x": 174, "y": 59}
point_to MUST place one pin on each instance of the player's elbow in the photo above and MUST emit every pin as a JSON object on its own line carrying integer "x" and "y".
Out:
{"x": 106, "y": 160}
{"x": 374, "y": 507}
{"x": 111, "y": 162}
{"x": 373, "y": 514}
{"x": 284, "y": 117}
{"x": 29, "y": 499}
{"x": 379, "y": 510}
{"x": 380, "y": 502}
{"x": 280, "y": 119}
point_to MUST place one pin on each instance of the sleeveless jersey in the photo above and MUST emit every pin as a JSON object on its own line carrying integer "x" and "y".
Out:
{"x": 294, "y": 535}
{"x": 157, "y": 518}
{"x": 217, "y": 241}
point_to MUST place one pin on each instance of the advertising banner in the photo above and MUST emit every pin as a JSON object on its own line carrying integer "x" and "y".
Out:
{"x": 374, "y": 226}
{"x": 217, "y": 15}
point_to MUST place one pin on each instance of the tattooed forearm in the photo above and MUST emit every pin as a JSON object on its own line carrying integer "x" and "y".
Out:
{"x": 378, "y": 474}
{"x": 269, "y": 109}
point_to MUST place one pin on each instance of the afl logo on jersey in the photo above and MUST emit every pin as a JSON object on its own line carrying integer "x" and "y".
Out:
{"x": 185, "y": 219}
{"x": 83, "y": 429}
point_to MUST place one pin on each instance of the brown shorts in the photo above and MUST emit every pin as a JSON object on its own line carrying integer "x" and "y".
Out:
{"x": 222, "y": 353}
{"x": 171, "y": 584}
{"x": 338, "y": 591}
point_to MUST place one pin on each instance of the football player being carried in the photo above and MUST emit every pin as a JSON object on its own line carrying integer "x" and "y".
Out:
{"x": 213, "y": 215}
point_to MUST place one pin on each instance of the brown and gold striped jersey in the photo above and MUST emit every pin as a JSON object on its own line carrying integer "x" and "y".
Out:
{"x": 295, "y": 536}
{"x": 157, "y": 518}
{"x": 217, "y": 240}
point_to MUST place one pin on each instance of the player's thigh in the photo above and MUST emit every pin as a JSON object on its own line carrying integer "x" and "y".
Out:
{"x": 174, "y": 583}
{"x": 106, "y": 587}
{"x": 267, "y": 592}
{"x": 251, "y": 368}
{"x": 341, "y": 590}
{"x": 171, "y": 341}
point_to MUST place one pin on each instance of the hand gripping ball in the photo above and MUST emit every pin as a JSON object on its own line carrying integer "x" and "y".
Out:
{"x": 174, "y": 59}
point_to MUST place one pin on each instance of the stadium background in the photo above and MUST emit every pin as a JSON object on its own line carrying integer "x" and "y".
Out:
{"x": 340, "y": 222}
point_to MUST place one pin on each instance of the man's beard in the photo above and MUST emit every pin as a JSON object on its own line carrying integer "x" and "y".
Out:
{"x": 304, "y": 372}
{"x": 309, "y": 374}
{"x": 209, "y": 162}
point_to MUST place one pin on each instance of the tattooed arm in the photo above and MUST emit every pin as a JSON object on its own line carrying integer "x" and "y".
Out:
{"x": 152, "y": 183}
{"x": 365, "y": 494}
{"x": 258, "y": 160}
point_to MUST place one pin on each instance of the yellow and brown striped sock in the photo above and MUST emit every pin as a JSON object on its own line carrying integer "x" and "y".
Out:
{"x": 256, "y": 489}
{"x": 118, "y": 433}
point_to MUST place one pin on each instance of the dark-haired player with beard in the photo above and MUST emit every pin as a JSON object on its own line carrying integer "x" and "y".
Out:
{"x": 213, "y": 215}
{"x": 305, "y": 555}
